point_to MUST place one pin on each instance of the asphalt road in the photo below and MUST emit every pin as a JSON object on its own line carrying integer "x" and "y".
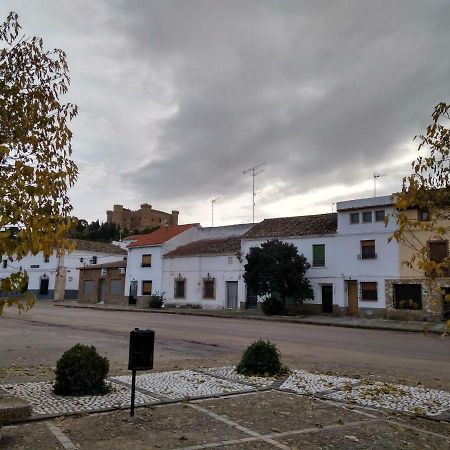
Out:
{"x": 40, "y": 336}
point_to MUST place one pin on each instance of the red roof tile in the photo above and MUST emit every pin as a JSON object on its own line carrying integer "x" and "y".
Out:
{"x": 160, "y": 235}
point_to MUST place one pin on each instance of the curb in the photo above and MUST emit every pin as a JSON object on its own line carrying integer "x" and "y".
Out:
{"x": 281, "y": 319}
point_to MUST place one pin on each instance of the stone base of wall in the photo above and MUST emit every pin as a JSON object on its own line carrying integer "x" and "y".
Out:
{"x": 407, "y": 314}
{"x": 372, "y": 313}
{"x": 70, "y": 294}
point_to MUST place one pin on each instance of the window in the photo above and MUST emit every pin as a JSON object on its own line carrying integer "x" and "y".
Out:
{"x": 180, "y": 287}
{"x": 209, "y": 288}
{"x": 408, "y": 296}
{"x": 369, "y": 291}
{"x": 46, "y": 258}
{"x": 368, "y": 250}
{"x": 34, "y": 266}
{"x": 147, "y": 287}
{"x": 318, "y": 255}
{"x": 88, "y": 287}
{"x": 5, "y": 263}
{"x": 230, "y": 260}
{"x": 115, "y": 287}
{"x": 439, "y": 254}
{"x": 146, "y": 261}
{"x": 379, "y": 215}
{"x": 424, "y": 215}
{"x": 94, "y": 260}
{"x": 354, "y": 218}
{"x": 367, "y": 216}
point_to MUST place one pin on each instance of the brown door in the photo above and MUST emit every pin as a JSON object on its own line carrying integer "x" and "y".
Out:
{"x": 352, "y": 297}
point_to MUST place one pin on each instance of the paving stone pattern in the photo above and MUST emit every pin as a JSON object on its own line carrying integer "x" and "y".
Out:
{"x": 45, "y": 402}
{"x": 182, "y": 384}
{"x": 188, "y": 384}
{"x": 305, "y": 383}
{"x": 396, "y": 397}
{"x": 229, "y": 372}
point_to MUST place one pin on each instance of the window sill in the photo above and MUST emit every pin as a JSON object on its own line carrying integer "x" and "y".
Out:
{"x": 146, "y": 265}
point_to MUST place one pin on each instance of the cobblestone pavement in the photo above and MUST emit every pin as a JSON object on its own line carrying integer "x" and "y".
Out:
{"x": 153, "y": 388}
{"x": 267, "y": 419}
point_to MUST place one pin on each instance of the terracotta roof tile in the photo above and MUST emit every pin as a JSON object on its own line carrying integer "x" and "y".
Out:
{"x": 160, "y": 235}
{"x": 229, "y": 245}
{"x": 294, "y": 226}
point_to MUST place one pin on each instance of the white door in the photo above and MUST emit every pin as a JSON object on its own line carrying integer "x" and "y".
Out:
{"x": 232, "y": 294}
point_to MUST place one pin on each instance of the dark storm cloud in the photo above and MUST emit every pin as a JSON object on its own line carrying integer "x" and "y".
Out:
{"x": 178, "y": 97}
{"x": 323, "y": 93}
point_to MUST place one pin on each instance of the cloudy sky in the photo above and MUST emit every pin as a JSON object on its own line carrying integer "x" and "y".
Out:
{"x": 177, "y": 98}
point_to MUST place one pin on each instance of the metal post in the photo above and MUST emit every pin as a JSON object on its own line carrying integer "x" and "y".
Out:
{"x": 133, "y": 390}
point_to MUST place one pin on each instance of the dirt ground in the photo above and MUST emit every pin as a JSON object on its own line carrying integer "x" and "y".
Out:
{"x": 262, "y": 420}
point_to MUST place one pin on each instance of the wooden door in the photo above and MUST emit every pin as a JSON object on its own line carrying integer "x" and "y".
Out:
{"x": 352, "y": 297}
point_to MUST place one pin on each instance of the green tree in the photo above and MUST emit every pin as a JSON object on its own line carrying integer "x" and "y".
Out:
{"x": 276, "y": 268}
{"x": 35, "y": 152}
{"x": 427, "y": 190}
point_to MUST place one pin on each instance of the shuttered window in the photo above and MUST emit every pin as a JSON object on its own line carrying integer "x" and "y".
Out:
{"x": 318, "y": 255}
{"x": 180, "y": 288}
{"x": 146, "y": 261}
{"x": 369, "y": 291}
{"x": 209, "y": 288}
{"x": 147, "y": 287}
{"x": 439, "y": 254}
{"x": 368, "y": 249}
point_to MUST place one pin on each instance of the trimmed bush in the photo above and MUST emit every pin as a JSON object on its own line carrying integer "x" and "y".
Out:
{"x": 261, "y": 358}
{"x": 156, "y": 300}
{"x": 81, "y": 371}
{"x": 272, "y": 306}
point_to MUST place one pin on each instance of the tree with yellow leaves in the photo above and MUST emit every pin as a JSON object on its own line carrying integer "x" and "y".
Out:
{"x": 35, "y": 153}
{"x": 427, "y": 190}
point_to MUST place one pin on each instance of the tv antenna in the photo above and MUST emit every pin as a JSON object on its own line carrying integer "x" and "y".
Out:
{"x": 376, "y": 175}
{"x": 212, "y": 209}
{"x": 254, "y": 172}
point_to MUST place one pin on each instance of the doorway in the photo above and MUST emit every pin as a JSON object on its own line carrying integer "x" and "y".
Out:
{"x": 43, "y": 286}
{"x": 232, "y": 294}
{"x": 101, "y": 291}
{"x": 352, "y": 297}
{"x": 252, "y": 299}
{"x": 132, "y": 298}
{"x": 327, "y": 298}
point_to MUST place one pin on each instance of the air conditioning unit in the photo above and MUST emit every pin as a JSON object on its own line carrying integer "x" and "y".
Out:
{"x": 122, "y": 270}
{"x": 103, "y": 272}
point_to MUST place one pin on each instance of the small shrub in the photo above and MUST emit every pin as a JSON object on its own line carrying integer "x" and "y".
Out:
{"x": 271, "y": 306}
{"x": 81, "y": 371}
{"x": 156, "y": 300}
{"x": 262, "y": 359}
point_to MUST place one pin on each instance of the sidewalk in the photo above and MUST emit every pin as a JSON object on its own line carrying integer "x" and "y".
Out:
{"x": 218, "y": 408}
{"x": 349, "y": 322}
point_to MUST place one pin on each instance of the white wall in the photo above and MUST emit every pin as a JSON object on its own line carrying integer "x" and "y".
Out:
{"x": 316, "y": 275}
{"x": 70, "y": 261}
{"x": 222, "y": 268}
{"x": 135, "y": 271}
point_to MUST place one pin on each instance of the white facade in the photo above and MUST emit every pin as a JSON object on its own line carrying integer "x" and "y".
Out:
{"x": 318, "y": 276}
{"x": 222, "y": 269}
{"x": 39, "y": 270}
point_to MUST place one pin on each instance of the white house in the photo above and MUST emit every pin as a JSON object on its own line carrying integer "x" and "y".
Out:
{"x": 58, "y": 277}
{"x": 366, "y": 259}
{"x": 315, "y": 238}
{"x": 207, "y": 271}
{"x": 144, "y": 262}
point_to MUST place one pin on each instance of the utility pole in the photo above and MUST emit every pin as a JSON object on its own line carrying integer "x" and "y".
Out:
{"x": 376, "y": 175}
{"x": 254, "y": 173}
{"x": 212, "y": 209}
